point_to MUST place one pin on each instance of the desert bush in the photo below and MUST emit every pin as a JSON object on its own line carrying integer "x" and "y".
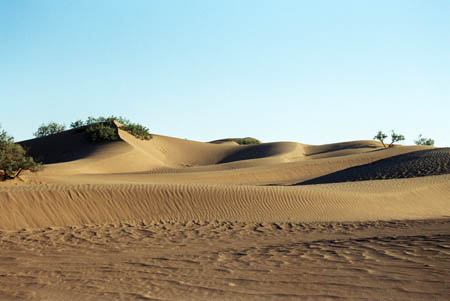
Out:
{"x": 77, "y": 124}
{"x": 424, "y": 141}
{"x": 246, "y": 141}
{"x": 380, "y": 136}
{"x": 102, "y": 128}
{"x": 93, "y": 120}
{"x": 120, "y": 119}
{"x": 241, "y": 141}
{"x": 137, "y": 130}
{"x": 49, "y": 129}
{"x": 13, "y": 158}
{"x": 103, "y": 131}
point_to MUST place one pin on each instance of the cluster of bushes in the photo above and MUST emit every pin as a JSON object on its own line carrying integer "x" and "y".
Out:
{"x": 49, "y": 129}
{"x": 98, "y": 132}
{"x": 380, "y": 136}
{"x": 13, "y": 158}
{"x": 424, "y": 141}
{"x": 98, "y": 129}
{"x": 137, "y": 130}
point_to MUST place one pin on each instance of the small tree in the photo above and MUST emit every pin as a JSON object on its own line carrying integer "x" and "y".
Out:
{"x": 13, "y": 158}
{"x": 49, "y": 129}
{"x": 396, "y": 138}
{"x": 424, "y": 141}
{"x": 380, "y": 136}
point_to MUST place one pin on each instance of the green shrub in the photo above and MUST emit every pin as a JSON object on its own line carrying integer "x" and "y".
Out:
{"x": 93, "y": 120}
{"x": 120, "y": 119}
{"x": 77, "y": 124}
{"x": 424, "y": 141}
{"x": 49, "y": 129}
{"x": 13, "y": 158}
{"x": 241, "y": 141}
{"x": 99, "y": 132}
{"x": 138, "y": 131}
{"x": 103, "y": 128}
{"x": 246, "y": 141}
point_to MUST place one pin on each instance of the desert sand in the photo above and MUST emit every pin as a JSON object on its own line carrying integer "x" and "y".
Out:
{"x": 170, "y": 219}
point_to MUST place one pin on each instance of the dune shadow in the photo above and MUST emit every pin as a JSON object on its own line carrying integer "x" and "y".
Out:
{"x": 258, "y": 151}
{"x": 61, "y": 147}
{"x": 339, "y": 146}
{"x": 421, "y": 163}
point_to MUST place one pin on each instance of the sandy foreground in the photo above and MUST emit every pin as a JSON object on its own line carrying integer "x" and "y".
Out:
{"x": 228, "y": 260}
{"x": 171, "y": 219}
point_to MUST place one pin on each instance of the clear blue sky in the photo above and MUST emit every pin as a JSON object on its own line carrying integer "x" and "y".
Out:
{"x": 308, "y": 71}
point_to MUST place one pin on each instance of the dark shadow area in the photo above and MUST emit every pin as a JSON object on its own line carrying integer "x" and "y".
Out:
{"x": 342, "y": 146}
{"x": 415, "y": 164}
{"x": 259, "y": 151}
{"x": 241, "y": 141}
{"x": 62, "y": 147}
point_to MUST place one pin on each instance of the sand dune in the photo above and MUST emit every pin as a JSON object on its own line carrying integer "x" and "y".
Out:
{"x": 229, "y": 214}
{"x": 175, "y": 179}
{"x": 59, "y": 205}
{"x": 414, "y": 164}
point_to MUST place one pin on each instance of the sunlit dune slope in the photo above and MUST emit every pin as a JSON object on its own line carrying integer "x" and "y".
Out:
{"x": 57, "y": 205}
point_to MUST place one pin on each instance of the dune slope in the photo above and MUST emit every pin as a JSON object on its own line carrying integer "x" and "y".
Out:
{"x": 422, "y": 163}
{"x": 50, "y": 205}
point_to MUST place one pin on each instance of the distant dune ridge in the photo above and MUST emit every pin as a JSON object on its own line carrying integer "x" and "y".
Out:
{"x": 178, "y": 179}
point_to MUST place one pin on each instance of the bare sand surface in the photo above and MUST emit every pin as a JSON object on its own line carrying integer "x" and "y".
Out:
{"x": 170, "y": 219}
{"x": 228, "y": 261}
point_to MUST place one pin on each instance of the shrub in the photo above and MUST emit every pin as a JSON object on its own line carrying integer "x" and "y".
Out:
{"x": 424, "y": 141}
{"x": 77, "y": 124}
{"x": 137, "y": 130}
{"x": 246, "y": 141}
{"x": 49, "y": 129}
{"x": 99, "y": 132}
{"x": 93, "y": 120}
{"x": 102, "y": 128}
{"x": 120, "y": 119}
{"x": 241, "y": 141}
{"x": 13, "y": 158}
